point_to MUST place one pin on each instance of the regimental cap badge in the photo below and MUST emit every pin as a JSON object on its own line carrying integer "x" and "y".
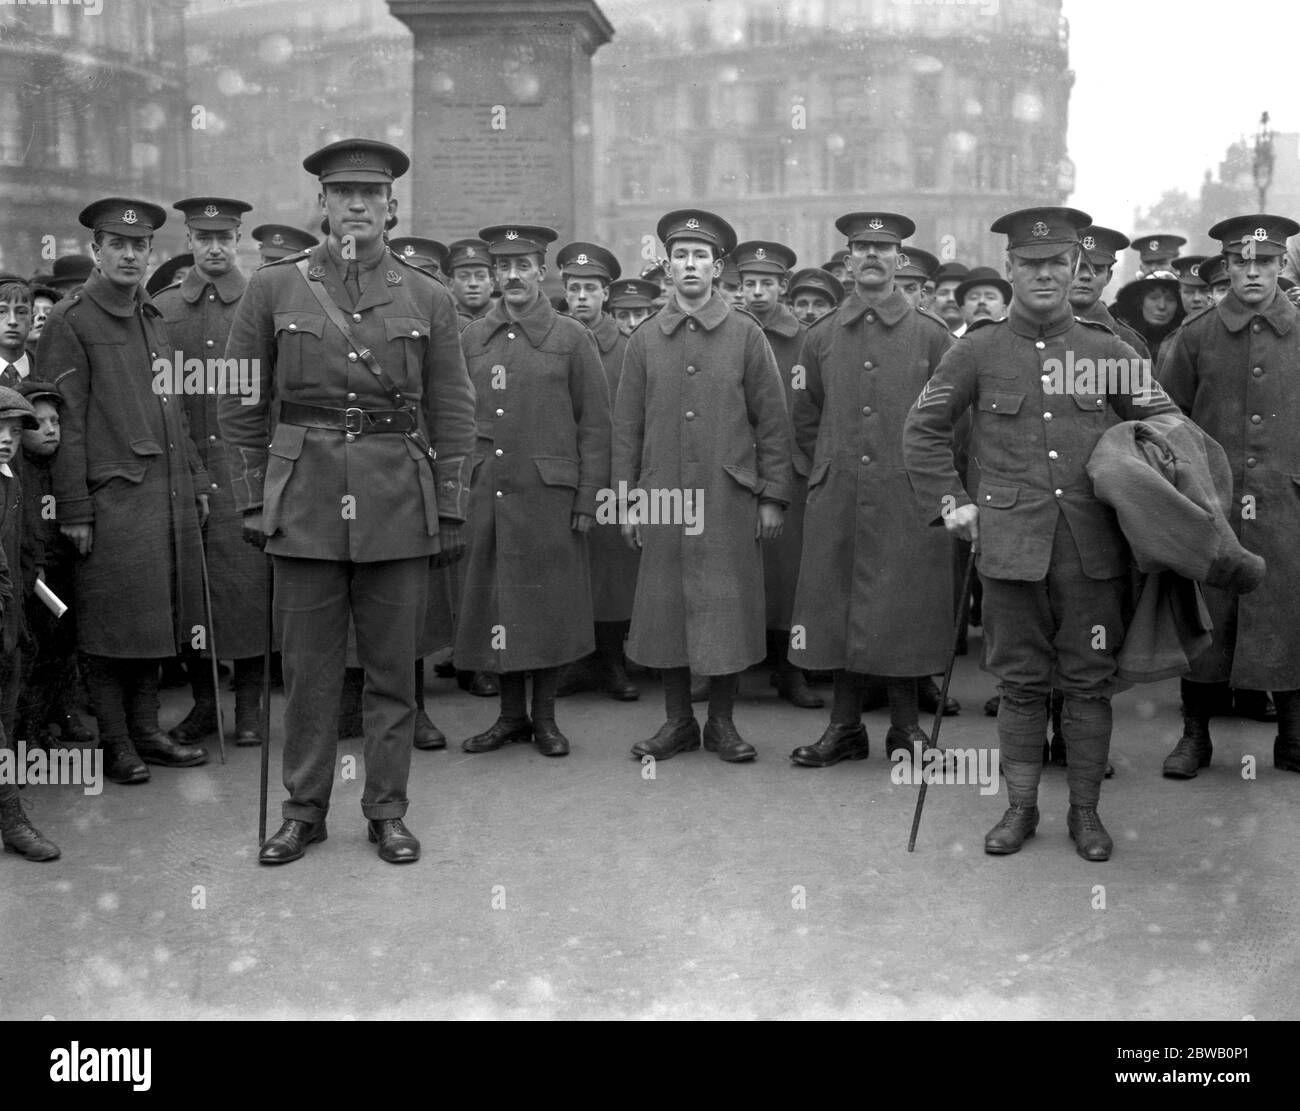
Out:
{"x": 876, "y": 223}
{"x": 1040, "y": 230}
{"x": 1195, "y": 269}
{"x": 760, "y": 254}
{"x": 1261, "y": 234}
{"x": 581, "y": 260}
{"x": 1089, "y": 242}
{"x": 903, "y": 261}
{"x": 357, "y": 158}
{"x": 471, "y": 252}
{"x": 1154, "y": 245}
{"x": 129, "y": 216}
{"x": 277, "y": 240}
{"x": 408, "y": 250}
{"x": 512, "y": 234}
{"x": 693, "y": 224}
{"x": 211, "y": 211}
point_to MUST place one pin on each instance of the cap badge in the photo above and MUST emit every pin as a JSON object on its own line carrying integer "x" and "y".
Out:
{"x": 469, "y": 251}
{"x": 581, "y": 260}
{"x": 1089, "y": 243}
{"x": 277, "y": 240}
{"x": 129, "y": 216}
{"x": 1261, "y": 234}
{"x": 693, "y": 223}
{"x": 211, "y": 211}
{"x": 408, "y": 250}
{"x": 356, "y": 158}
{"x": 903, "y": 260}
{"x": 316, "y": 272}
{"x": 394, "y": 278}
{"x": 1195, "y": 269}
{"x": 512, "y": 234}
{"x": 876, "y": 223}
{"x": 1154, "y": 245}
{"x": 1040, "y": 230}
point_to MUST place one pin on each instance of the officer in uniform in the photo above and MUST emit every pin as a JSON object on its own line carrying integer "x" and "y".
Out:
{"x": 1233, "y": 369}
{"x": 764, "y": 268}
{"x": 361, "y": 352}
{"x": 198, "y": 312}
{"x": 1099, "y": 248}
{"x": 470, "y": 278}
{"x": 1157, "y": 251}
{"x": 915, "y": 270}
{"x": 701, "y": 433}
{"x": 631, "y": 300}
{"x": 126, "y": 482}
{"x": 541, "y": 461}
{"x": 428, "y": 254}
{"x": 277, "y": 241}
{"x": 813, "y": 293}
{"x": 588, "y": 271}
{"x": 1051, "y": 555}
{"x": 875, "y": 588}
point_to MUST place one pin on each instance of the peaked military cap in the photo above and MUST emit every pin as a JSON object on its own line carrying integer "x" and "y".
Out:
{"x": 123, "y": 216}
{"x": 730, "y": 272}
{"x": 837, "y": 259}
{"x": 875, "y": 227}
{"x": 212, "y": 213}
{"x": 281, "y": 240}
{"x": 984, "y": 275}
{"x": 1188, "y": 269}
{"x": 817, "y": 279}
{"x": 364, "y": 160}
{"x": 1101, "y": 246}
{"x": 518, "y": 239}
{"x": 915, "y": 263}
{"x": 695, "y": 223}
{"x": 467, "y": 252}
{"x": 420, "y": 252}
{"x": 36, "y": 390}
{"x": 763, "y": 257}
{"x": 1042, "y": 232}
{"x": 1259, "y": 234}
{"x": 1157, "y": 247}
{"x": 587, "y": 260}
{"x": 1214, "y": 270}
{"x": 632, "y": 293}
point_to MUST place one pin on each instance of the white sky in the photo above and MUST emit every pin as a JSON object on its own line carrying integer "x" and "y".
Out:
{"x": 1145, "y": 115}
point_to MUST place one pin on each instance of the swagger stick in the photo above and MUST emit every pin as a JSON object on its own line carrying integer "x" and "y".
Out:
{"x": 212, "y": 651}
{"x": 266, "y": 698}
{"x": 943, "y": 694}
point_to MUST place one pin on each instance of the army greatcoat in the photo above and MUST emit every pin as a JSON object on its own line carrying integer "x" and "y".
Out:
{"x": 127, "y": 466}
{"x": 701, "y": 412}
{"x": 542, "y": 455}
{"x": 1234, "y": 369}
{"x": 875, "y": 582}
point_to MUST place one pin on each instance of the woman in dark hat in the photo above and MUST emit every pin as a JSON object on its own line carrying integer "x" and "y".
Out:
{"x": 1151, "y": 306}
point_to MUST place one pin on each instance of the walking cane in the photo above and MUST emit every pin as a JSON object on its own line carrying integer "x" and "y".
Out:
{"x": 266, "y": 698}
{"x": 212, "y": 649}
{"x": 943, "y": 694}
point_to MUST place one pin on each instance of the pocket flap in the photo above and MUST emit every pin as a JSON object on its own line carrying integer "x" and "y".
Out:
{"x": 557, "y": 471}
{"x": 146, "y": 447}
{"x": 313, "y": 323}
{"x": 288, "y": 440}
{"x": 818, "y": 474}
{"x": 1090, "y": 402}
{"x": 99, "y": 473}
{"x": 1005, "y": 404}
{"x": 744, "y": 475}
{"x": 405, "y": 327}
{"x": 998, "y": 497}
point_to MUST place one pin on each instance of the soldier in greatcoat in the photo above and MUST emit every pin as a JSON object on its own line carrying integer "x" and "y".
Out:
{"x": 702, "y": 454}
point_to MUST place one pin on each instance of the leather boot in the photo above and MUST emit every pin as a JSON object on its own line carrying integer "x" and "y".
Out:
{"x": 838, "y": 742}
{"x": 610, "y": 663}
{"x": 427, "y": 735}
{"x": 248, "y": 701}
{"x": 1015, "y": 827}
{"x": 158, "y": 748}
{"x": 720, "y": 736}
{"x": 350, "y": 722}
{"x": 201, "y": 721}
{"x": 397, "y": 844}
{"x": 546, "y": 734}
{"x": 1286, "y": 746}
{"x": 909, "y": 740}
{"x": 500, "y": 733}
{"x": 1091, "y": 841}
{"x": 674, "y": 736}
{"x": 290, "y": 841}
{"x": 927, "y": 698}
{"x": 1194, "y": 747}
{"x": 792, "y": 686}
{"x": 151, "y": 743}
{"x": 483, "y": 684}
{"x": 74, "y": 729}
{"x": 122, "y": 764}
{"x": 18, "y": 834}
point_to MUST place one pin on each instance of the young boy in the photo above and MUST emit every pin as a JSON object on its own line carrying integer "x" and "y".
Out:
{"x": 15, "y": 327}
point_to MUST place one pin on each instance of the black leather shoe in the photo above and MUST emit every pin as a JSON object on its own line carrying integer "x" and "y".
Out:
{"x": 676, "y": 736}
{"x": 445, "y": 670}
{"x": 927, "y": 698}
{"x": 793, "y": 687}
{"x": 200, "y": 722}
{"x": 1192, "y": 752}
{"x": 909, "y": 741}
{"x": 1018, "y": 824}
{"x": 1286, "y": 754}
{"x": 20, "y": 836}
{"x": 1090, "y": 838}
{"x": 159, "y": 748}
{"x": 991, "y": 706}
{"x": 122, "y": 764}
{"x": 720, "y": 736}
{"x": 248, "y": 738}
{"x": 484, "y": 685}
{"x": 427, "y": 735}
{"x": 550, "y": 741}
{"x": 501, "y": 733}
{"x": 617, "y": 684}
{"x": 397, "y": 844}
{"x": 290, "y": 841}
{"x": 838, "y": 742}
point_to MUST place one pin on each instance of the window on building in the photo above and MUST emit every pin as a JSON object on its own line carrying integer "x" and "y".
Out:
{"x": 700, "y": 95}
{"x": 766, "y": 170}
{"x": 12, "y": 141}
{"x": 926, "y": 100}
{"x": 767, "y": 104}
{"x": 847, "y": 96}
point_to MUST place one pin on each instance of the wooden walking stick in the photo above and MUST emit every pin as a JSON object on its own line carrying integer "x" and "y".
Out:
{"x": 212, "y": 650}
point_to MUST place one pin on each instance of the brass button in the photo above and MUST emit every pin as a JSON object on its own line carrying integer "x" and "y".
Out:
{"x": 352, "y": 397}
{"x": 690, "y": 415}
{"x": 870, "y": 318}
{"x": 868, "y": 365}
{"x": 1052, "y": 455}
{"x": 357, "y": 317}
{"x": 352, "y": 356}
{"x": 415, "y": 332}
{"x": 1257, "y": 371}
{"x": 510, "y": 335}
{"x": 1047, "y": 416}
{"x": 1039, "y": 344}
{"x": 866, "y": 459}
{"x": 1255, "y": 418}
{"x": 215, "y": 486}
{"x": 1256, "y": 326}
{"x": 988, "y": 497}
{"x": 212, "y": 296}
{"x": 211, "y": 343}
{"x": 500, "y": 494}
{"x": 350, "y": 437}
{"x": 993, "y": 405}
{"x": 501, "y": 412}
{"x": 866, "y": 410}
{"x": 1251, "y": 461}
{"x": 212, "y": 439}
{"x": 691, "y": 325}
{"x": 293, "y": 327}
{"x": 690, "y": 370}
{"x": 500, "y": 453}
{"x": 1059, "y": 492}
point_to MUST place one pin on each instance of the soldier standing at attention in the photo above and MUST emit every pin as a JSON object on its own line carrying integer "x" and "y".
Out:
{"x": 277, "y": 241}
{"x": 361, "y": 352}
{"x": 631, "y": 301}
{"x": 469, "y": 278}
{"x": 701, "y": 433}
{"x": 541, "y": 460}
{"x": 813, "y": 293}
{"x": 1053, "y": 560}
{"x": 1098, "y": 250}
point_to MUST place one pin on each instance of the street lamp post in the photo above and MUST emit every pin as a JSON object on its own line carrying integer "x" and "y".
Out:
{"x": 1263, "y": 164}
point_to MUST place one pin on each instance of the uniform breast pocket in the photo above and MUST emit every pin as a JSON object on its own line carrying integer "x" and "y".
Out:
{"x": 408, "y": 335}
{"x": 298, "y": 350}
{"x": 1000, "y": 403}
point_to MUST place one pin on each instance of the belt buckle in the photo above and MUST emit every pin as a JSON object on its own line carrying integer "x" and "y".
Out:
{"x": 348, "y": 417}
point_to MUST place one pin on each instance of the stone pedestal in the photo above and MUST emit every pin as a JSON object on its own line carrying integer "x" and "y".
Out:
{"x": 502, "y": 113}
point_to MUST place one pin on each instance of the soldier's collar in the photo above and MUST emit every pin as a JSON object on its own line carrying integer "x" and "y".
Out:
{"x": 1032, "y": 328}
{"x": 229, "y": 287}
{"x": 1279, "y": 313}
{"x": 1099, "y": 314}
{"x": 890, "y": 310}
{"x": 782, "y": 321}
{"x": 606, "y": 333}
{"x": 112, "y": 299}
{"x": 537, "y": 321}
{"x": 712, "y": 313}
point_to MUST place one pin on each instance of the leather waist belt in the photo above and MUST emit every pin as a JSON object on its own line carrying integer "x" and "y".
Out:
{"x": 356, "y": 422}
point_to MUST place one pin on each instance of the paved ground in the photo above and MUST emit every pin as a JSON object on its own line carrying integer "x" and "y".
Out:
{"x": 577, "y": 888}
